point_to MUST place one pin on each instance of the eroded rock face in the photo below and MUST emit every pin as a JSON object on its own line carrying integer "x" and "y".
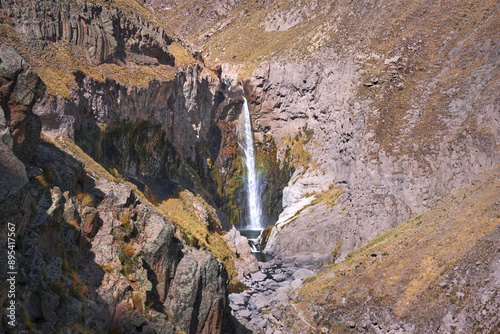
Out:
{"x": 165, "y": 275}
{"x": 20, "y": 87}
{"x": 135, "y": 270}
{"x": 104, "y": 34}
{"x": 384, "y": 183}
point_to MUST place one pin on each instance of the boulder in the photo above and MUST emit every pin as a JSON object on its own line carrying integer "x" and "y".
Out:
{"x": 296, "y": 284}
{"x": 246, "y": 263}
{"x": 238, "y": 299}
{"x": 258, "y": 276}
{"x": 198, "y": 292}
{"x": 279, "y": 277}
{"x": 260, "y": 302}
{"x": 245, "y": 314}
{"x": 302, "y": 273}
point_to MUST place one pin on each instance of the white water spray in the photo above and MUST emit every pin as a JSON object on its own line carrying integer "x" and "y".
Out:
{"x": 253, "y": 184}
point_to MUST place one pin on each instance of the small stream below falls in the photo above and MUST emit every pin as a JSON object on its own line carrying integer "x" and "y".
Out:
{"x": 252, "y": 236}
{"x": 261, "y": 308}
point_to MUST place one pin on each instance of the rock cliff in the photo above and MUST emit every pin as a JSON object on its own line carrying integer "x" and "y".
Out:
{"x": 116, "y": 71}
{"x": 89, "y": 254}
{"x": 384, "y": 183}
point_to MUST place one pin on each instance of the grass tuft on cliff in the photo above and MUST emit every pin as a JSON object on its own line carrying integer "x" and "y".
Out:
{"x": 200, "y": 227}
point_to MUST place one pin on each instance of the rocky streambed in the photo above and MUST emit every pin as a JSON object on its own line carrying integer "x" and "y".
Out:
{"x": 263, "y": 307}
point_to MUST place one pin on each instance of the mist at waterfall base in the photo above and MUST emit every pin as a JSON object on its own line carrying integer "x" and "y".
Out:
{"x": 253, "y": 188}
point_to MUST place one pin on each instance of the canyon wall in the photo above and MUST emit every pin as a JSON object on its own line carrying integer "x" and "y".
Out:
{"x": 118, "y": 264}
{"x": 392, "y": 136}
{"x": 366, "y": 123}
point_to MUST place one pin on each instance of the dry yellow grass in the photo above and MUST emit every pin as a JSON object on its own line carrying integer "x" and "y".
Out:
{"x": 87, "y": 200}
{"x": 138, "y": 301}
{"x": 170, "y": 316}
{"x": 128, "y": 250}
{"x": 78, "y": 288}
{"x": 73, "y": 224}
{"x": 182, "y": 57}
{"x": 41, "y": 180}
{"x": 58, "y": 61}
{"x": 181, "y": 212}
{"x": 124, "y": 219}
{"x": 107, "y": 267}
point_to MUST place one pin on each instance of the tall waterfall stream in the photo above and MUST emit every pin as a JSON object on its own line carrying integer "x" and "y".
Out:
{"x": 253, "y": 182}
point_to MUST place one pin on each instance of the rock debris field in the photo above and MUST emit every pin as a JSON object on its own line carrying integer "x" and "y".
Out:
{"x": 261, "y": 309}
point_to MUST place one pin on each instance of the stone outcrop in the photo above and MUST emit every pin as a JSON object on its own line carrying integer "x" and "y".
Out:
{"x": 20, "y": 88}
{"x": 103, "y": 33}
{"x": 138, "y": 249}
{"x": 183, "y": 108}
{"x": 245, "y": 262}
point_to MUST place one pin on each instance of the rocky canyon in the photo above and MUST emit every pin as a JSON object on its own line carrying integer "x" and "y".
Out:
{"x": 124, "y": 185}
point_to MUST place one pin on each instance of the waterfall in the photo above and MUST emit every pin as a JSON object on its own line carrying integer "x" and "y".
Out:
{"x": 253, "y": 184}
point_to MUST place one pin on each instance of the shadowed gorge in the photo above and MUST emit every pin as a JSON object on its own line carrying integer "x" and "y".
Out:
{"x": 141, "y": 140}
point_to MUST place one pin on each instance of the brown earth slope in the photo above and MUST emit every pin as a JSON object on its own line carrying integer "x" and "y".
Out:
{"x": 438, "y": 272}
